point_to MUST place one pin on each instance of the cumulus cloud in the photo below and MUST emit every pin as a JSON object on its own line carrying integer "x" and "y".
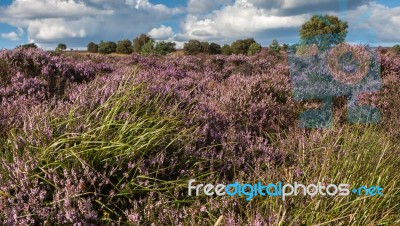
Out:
{"x": 375, "y": 22}
{"x": 78, "y": 22}
{"x": 265, "y": 20}
{"x": 37, "y": 9}
{"x": 241, "y": 19}
{"x": 81, "y": 21}
{"x": 205, "y": 6}
{"x": 161, "y": 33}
{"x": 12, "y": 36}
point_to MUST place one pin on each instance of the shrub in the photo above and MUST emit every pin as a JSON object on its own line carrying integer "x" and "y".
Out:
{"x": 214, "y": 48}
{"x": 62, "y": 46}
{"x": 29, "y": 45}
{"x": 254, "y": 49}
{"x": 285, "y": 46}
{"x": 148, "y": 48}
{"x": 396, "y": 49}
{"x": 193, "y": 47}
{"x": 107, "y": 47}
{"x": 163, "y": 48}
{"x": 140, "y": 41}
{"x": 92, "y": 47}
{"x": 324, "y": 31}
{"x": 124, "y": 47}
{"x": 226, "y": 50}
{"x": 274, "y": 47}
{"x": 242, "y": 46}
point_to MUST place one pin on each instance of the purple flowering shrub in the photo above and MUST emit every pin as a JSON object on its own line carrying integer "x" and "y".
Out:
{"x": 116, "y": 140}
{"x": 31, "y": 77}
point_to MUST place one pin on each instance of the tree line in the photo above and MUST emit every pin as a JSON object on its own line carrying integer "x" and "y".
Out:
{"x": 323, "y": 31}
{"x": 146, "y": 46}
{"x": 142, "y": 44}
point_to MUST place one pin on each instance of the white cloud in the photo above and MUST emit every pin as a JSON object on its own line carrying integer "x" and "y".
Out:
{"x": 12, "y": 36}
{"x": 36, "y": 9}
{"x": 81, "y": 21}
{"x": 375, "y": 23}
{"x": 205, "y": 6}
{"x": 242, "y": 19}
{"x": 161, "y": 33}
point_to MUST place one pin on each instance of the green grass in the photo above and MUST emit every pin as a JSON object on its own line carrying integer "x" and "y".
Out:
{"x": 354, "y": 154}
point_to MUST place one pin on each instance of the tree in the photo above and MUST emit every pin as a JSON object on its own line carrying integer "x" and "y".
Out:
{"x": 107, "y": 47}
{"x": 124, "y": 47}
{"x": 29, "y": 45}
{"x": 92, "y": 47}
{"x": 396, "y": 49}
{"x": 163, "y": 48}
{"x": 254, "y": 49}
{"x": 324, "y": 31}
{"x": 140, "y": 41}
{"x": 148, "y": 48}
{"x": 193, "y": 47}
{"x": 62, "y": 46}
{"x": 285, "y": 46}
{"x": 214, "y": 48}
{"x": 226, "y": 50}
{"x": 204, "y": 47}
{"x": 274, "y": 47}
{"x": 242, "y": 46}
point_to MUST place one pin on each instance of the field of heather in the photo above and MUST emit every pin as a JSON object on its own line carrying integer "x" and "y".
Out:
{"x": 106, "y": 140}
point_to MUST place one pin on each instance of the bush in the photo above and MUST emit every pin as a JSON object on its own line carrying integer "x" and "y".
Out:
{"x": 148, "y": 48}
{"x": 107, "y": 47}
{"x": 242, "y": 46}
{"x": 254, "y": 49}
{"x": 324, "y": 31}
{"x": 194, "y": 47}
{"x": 226, "y": 50}
{"x": 29, "y": 45}
{"x": 274, "y": 47}
{"x": 163, "y": 48}
{"x": 285, "y": 46}
{"x": 62, "y": 46}
{"x": 214, "y": 48}
{"x": 396, "y": 49}
{"x": 124, "y": 47}
{"x": 92, "y": 47}
{"x": 140, "y": 41}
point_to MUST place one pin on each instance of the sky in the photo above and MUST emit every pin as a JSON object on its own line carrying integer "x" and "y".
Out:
{"x": 78, "y": 22}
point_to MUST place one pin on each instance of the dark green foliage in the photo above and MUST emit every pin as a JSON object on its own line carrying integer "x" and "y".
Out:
{"x": 324, "y": 31}
{"x": 62, "y": 46}
{"x": 124, "y": 46}
{"x": 204, "y": 47}
{"x": 242, "y": 46}
{"x": 254, "y": 49}
{"x": 139, "y": 42}
{"x": 163, "y": 48}
{"x": 92, "y": 47}
{"x": 148, "y": 48}
{"x": 396, "y": 49}
{"x": 29, "y": 45}
{"x": 285, "y": 46}
{"x": 193, "y": 47}
{"x": 274, "y": 47}
{"x": 226, "y": 50}
{"x": 107, "y": 47}
{"x": 214, "y": 48}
